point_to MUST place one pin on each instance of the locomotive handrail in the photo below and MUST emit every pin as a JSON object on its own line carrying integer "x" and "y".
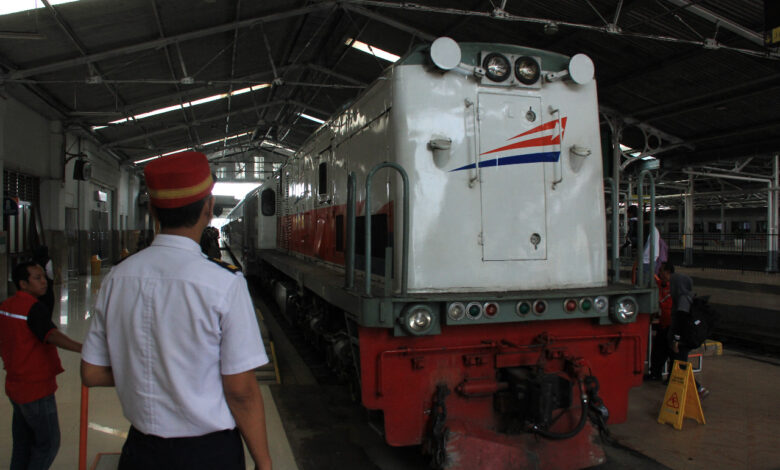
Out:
{"x": 640, "y": 236}
{"x": 560, "y": 137}
{"x": 613, "y": 256}
{"x": 350, "y": 261}
{"x": 405, "y": 254}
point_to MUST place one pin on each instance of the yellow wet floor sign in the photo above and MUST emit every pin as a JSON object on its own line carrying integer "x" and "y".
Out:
{"x": 681, "y": 399}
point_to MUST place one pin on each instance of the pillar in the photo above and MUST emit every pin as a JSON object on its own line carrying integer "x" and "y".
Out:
{"x": 772, "y": 219}
{"x": 688, "y": 237}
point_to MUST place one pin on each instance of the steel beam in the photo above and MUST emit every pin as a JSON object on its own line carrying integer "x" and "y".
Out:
{"x": 721, "y": 21}
{"x": 162, "y": 42}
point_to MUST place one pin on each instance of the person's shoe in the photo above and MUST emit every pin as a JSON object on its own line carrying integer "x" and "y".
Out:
{"x": 703, "y": 393}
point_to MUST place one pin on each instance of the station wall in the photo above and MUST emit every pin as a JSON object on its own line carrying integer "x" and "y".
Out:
{"x": 79, "y": 218}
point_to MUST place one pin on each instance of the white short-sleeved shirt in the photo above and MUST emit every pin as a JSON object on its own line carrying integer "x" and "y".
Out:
{"x": 657, "y": 245}
{"x": 170, "y": 323}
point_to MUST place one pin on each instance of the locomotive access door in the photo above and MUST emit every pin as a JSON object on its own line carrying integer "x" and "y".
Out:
{"x": 512, "y": 182}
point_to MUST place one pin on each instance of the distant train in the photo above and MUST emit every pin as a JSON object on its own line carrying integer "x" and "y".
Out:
{"x": 467, "y": 181}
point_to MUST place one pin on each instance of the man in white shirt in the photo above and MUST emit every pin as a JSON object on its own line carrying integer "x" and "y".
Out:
{"x": 177, "y": 335}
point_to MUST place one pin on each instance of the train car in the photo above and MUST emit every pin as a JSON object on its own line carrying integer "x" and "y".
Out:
{"x": 443, "y": 241}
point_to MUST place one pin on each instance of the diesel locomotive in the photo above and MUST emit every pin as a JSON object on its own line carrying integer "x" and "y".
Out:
{"x": 443, "y": 240}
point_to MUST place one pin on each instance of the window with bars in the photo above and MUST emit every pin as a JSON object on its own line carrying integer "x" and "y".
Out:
{"x": 19, "y": 185}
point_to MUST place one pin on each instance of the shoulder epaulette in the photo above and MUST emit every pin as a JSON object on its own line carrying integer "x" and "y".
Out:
{"x": 230, "y": 267}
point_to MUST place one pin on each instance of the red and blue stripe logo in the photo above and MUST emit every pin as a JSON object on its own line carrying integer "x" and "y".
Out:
{"x": 530, "y": 149}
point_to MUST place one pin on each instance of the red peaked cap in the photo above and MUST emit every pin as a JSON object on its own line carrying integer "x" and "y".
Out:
{"x": 179, "y": 179}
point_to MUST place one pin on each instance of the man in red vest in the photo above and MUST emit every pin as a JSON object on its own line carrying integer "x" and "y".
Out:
{"x": 28, "y": 346}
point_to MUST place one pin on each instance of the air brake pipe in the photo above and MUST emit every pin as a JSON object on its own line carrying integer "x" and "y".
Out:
{"x": 580, "y": 424}
{"x": 367, "y": 210}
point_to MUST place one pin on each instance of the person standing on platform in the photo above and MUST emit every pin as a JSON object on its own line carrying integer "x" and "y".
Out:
{"x": 28, "y": 346}
{"x": 42, "y": 258}
{"x": 176, "y": 333}
{"x": 681, "y": 289}
{"x": 660, "y": 351}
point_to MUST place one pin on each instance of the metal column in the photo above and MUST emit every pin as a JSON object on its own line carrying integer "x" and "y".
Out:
{"x": 772, "y": 218}
{"x": 688, "y": 236}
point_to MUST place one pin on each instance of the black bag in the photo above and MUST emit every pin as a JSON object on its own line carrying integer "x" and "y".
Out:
{"x": 700, "y": 322}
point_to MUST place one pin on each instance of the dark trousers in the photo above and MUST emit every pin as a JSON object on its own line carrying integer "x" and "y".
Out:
{"x": 682, "y": 356}
{"x": 36, "y": 433}
{"x": 661, "y": 351}
{"x": 217, "y": 450}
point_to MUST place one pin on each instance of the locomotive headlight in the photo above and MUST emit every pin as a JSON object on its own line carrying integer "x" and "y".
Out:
{"x": 497, "y": 67}
{"x": 601, "y": 304}
{"x": 456, "y": 311}
{"x": 418, "y": 319}
{"x": 527, "y": 70}
{"x": 625, "y": 310}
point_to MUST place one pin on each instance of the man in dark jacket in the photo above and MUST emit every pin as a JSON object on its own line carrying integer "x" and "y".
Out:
{"x": 681, "y": 288}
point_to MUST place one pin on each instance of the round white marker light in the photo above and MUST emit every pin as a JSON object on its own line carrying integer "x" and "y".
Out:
{"x": 445, "y": 53}
{"x": 581, "y": 69}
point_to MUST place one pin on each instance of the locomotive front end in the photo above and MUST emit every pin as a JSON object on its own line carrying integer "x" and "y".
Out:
{"x": 513, "y": 350}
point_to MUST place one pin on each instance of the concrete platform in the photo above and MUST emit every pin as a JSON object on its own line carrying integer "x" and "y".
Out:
{"x": 742, "y": 415}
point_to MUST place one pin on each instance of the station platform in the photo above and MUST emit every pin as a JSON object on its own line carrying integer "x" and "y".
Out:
{"x": 742, "y": 429}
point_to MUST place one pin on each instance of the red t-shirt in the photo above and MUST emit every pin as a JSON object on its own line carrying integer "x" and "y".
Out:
{"x": 31, "y": 364}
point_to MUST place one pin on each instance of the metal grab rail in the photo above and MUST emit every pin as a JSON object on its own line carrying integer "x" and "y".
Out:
{"x": 613, "y": 256}
{"x": 640, "y": 275}
{"x": 349, "y": 282}
{"x": 367, "y": 210}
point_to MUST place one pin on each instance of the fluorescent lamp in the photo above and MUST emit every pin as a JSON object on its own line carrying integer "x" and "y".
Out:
{"x": 369, "y": 49}
{"x": 14, "y": 6}
{"x": 311, "y": 118}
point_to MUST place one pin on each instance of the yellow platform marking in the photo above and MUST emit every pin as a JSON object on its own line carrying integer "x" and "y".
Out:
{"x": 681, "y": 399}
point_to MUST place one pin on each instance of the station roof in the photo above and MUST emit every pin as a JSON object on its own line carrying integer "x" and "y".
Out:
{"x": 694, "y": 81}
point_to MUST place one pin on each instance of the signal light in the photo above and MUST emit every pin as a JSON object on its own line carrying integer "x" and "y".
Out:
{"x": 456, "y": 311}
{"x": 474, "y": 310}
{"x": 586, "y": 304}
{"x": 570, "y": 305}
{"x": 491, "y": 309}
{"x": 540, "y": 306}
{"x": 523, "y": 308}
{"x": 601, "y": 304}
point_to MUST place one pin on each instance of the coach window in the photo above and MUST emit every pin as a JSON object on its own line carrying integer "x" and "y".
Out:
{"x": 322, "y": 189}
{"x": 268, "y": 202}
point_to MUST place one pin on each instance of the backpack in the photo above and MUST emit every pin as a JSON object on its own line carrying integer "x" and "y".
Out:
{"x": 700, "y": 322}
